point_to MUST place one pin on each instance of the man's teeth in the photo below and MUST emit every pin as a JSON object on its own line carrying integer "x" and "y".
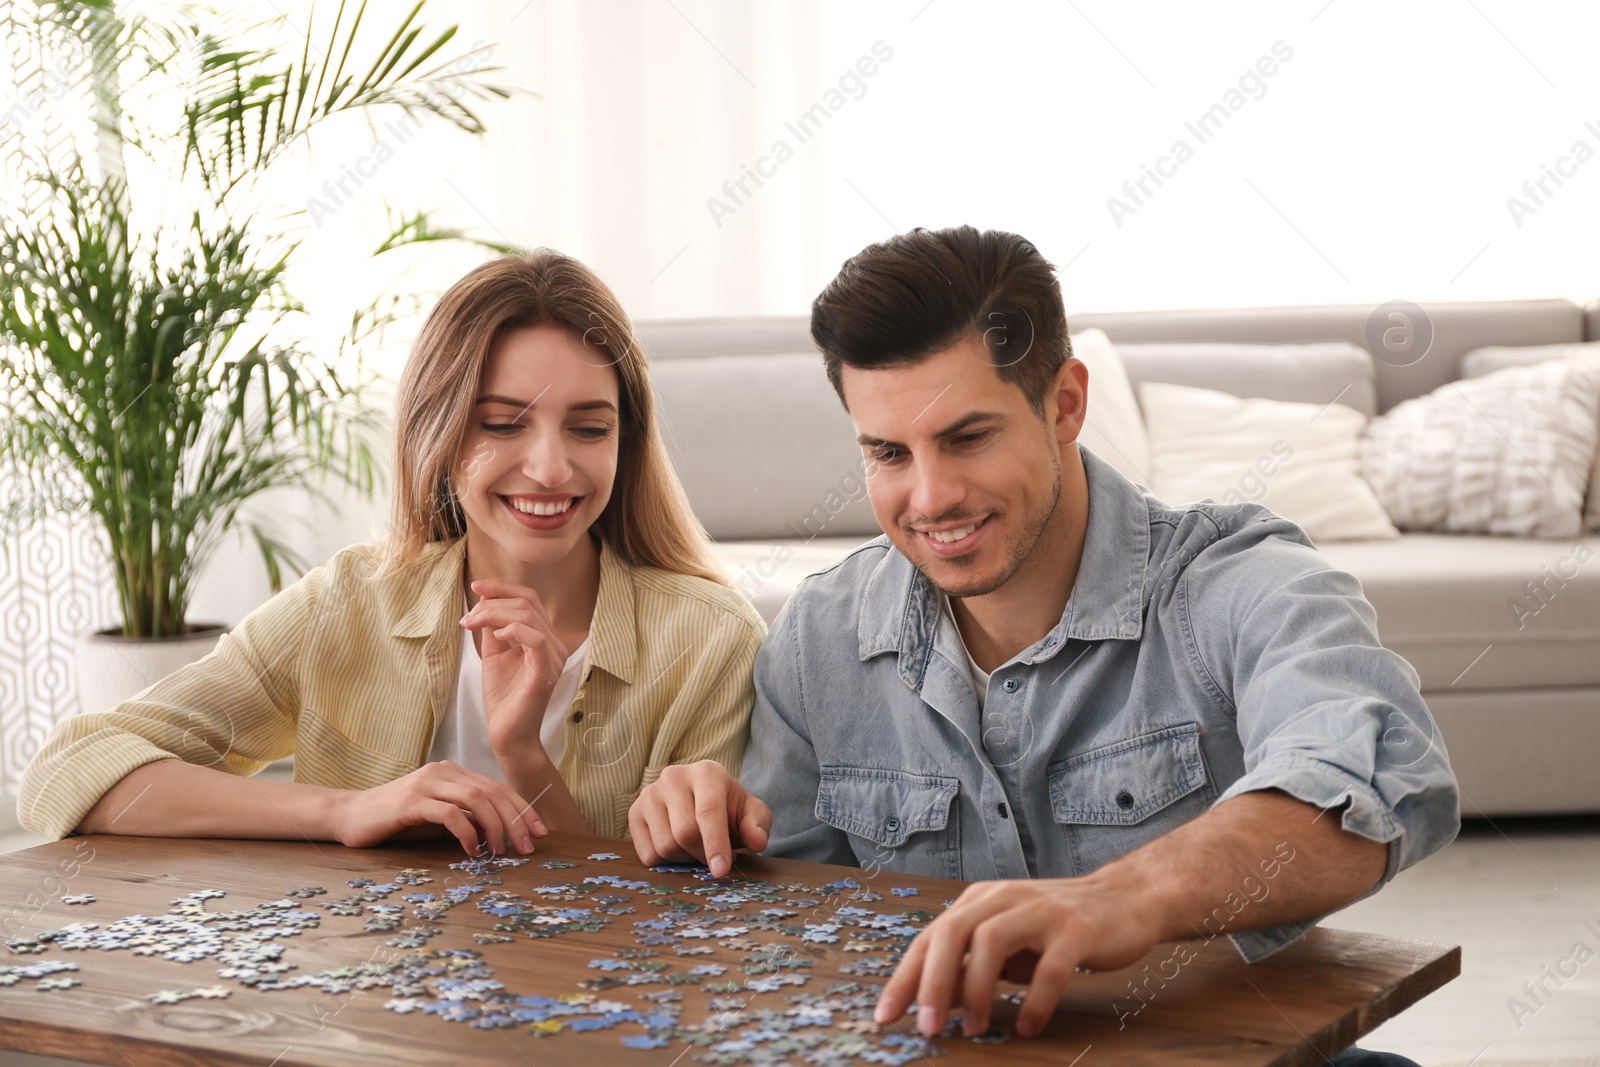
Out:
{"x": 946, "y": 537}
{"x": 534, "y": 508}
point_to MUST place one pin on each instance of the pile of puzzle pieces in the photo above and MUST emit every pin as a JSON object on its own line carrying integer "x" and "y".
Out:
{"x": 756, "y": 1007}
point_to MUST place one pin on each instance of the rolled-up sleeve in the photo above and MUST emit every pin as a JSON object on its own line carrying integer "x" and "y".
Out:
{"x": 780, "y": 766}
{"x": 1324, "y": 712}
{"x": 235, "y": 710}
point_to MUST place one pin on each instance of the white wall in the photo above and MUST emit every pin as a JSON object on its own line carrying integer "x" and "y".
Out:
{"x": 1376, "y": 163}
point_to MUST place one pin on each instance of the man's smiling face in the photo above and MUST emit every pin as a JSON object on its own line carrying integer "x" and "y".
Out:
{"x": 963, "y": 475}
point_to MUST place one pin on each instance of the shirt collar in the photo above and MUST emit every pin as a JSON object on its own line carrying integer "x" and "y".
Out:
{"x": 900, "y": 607}
{"x": 436, "y": 581}
{"x": 420, "y": 589}
{"x": 613, "y": 637}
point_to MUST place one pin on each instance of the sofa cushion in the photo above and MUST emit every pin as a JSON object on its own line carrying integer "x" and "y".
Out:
{"x": 768, "y": 572}
{"x": 1113, "y": 428}
{"x": 763, "y": 446}
{"x": 1473, "y": 612}
{"x": 1320, "y": 373}
{"x": 1444, "y": 332}
{"x": 1488, "y": 360}
{"x": 1509, "y": 453}
{"x": 1300, "y": 460}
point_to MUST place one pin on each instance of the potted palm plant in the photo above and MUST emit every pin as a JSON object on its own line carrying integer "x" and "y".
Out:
{"x": 146, "y": 377}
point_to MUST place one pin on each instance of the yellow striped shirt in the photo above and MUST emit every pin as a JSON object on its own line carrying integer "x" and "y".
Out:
{"x": 350, "y": 674}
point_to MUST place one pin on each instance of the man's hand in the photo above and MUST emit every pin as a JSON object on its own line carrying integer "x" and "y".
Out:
{"x": 697, "y": 811}
{"x": 1025, "y": 931}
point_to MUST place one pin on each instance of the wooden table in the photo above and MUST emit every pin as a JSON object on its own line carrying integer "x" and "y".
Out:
{"x": 1308, "y": 1001}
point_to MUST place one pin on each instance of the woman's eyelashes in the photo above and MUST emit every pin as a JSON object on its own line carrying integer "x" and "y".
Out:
{"x": 588, "y": 433}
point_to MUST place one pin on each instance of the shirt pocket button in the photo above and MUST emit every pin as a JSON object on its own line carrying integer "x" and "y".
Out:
{"x": 1125, "y": 800}
{"x": 892, "y": 824}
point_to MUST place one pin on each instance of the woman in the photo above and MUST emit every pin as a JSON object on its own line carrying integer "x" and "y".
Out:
{"x": 542, "y": 632}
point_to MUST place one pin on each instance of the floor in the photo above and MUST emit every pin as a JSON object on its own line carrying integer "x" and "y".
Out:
{"x": 1519, "y": 896}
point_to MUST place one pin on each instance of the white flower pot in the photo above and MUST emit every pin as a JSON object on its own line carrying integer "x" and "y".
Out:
{"x": 111, "y": 668}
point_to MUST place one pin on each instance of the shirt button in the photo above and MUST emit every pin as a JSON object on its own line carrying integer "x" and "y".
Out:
{"x": 891, "y": 824}
{"x": 577, "y": 716}
{"x": 1003, "y": 813}
{"x": 1011, "y": 685}
{"x": 1124, "y": 800}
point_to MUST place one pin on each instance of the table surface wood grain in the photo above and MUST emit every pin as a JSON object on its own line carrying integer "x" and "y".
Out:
{"x": 1197, "y": 1001}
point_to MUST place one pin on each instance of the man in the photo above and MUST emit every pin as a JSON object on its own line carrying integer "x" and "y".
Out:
{"x": 1127, "y": 722}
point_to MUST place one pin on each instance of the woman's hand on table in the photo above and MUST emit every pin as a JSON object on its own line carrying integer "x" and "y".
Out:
{"x": 697, "y": 811}
{"x": 522, "y": 660}
{"x": 471, "y": 806}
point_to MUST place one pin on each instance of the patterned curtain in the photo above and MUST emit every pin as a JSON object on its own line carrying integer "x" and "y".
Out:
{"x": 54, "y": 579}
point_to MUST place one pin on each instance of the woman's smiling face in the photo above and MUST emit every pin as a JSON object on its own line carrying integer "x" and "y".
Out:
{"x": 539, "y": 458}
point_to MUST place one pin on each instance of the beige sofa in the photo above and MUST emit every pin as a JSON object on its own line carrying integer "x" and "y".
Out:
{"x": 767, "y": 455}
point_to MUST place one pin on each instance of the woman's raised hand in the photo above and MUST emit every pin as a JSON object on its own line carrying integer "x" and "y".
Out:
{"x": 471, "y": 806}
{"x": 522, "y": 659}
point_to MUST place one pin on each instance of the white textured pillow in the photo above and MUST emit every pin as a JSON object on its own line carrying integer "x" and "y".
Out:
{"x": 1483, "y": 361}
{"x": 1114, "y": 428}
{"x": 1508, "y": 453}
{"x": 1300, "y": 460}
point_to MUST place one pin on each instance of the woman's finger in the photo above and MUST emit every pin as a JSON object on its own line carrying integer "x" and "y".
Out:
{"x": 639, "y": 830}
{"x": 546, "y": 659}
{"x": 476, "y": 800}
{"x": 446, "y": 814}
{"x": 666, "y": 842}
{"x": 509, "y": 806}
{"x": 503, "y": 613}
{"x": 494, "y": 589}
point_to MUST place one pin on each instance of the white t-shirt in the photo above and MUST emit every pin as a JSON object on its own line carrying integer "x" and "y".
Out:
{"x": 463, "y": 735}
{"x": 980, "y": 680}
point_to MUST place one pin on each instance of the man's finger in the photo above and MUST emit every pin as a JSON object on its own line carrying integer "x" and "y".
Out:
{"x": 993, "y": 942}
{"x": 941, "y": 966}
{"x": 1050, "y": 977}
{"x": 897, "y": 992}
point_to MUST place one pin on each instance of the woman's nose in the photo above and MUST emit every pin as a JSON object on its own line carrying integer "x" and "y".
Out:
{"x": 546, "y": 461}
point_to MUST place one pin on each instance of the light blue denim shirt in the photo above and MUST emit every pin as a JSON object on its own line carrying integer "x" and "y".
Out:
{"x": 1206, "y": 651}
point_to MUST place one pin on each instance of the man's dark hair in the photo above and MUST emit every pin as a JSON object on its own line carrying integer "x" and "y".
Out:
{"x": 899, "y": 301}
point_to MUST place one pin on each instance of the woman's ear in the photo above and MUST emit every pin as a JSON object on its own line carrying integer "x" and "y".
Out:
{"x": 1071, "y": 392}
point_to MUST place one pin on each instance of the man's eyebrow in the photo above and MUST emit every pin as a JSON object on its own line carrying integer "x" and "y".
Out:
{"x": 965, "y": 422}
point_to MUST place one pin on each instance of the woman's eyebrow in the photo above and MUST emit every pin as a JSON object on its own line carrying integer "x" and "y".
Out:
{"x": 583, "y": 405}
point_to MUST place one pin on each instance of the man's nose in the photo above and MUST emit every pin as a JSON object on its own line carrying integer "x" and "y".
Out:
{"x": 935, "y": 488}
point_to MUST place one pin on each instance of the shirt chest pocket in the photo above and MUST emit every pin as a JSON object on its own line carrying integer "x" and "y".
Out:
{"x": 903, "y": 822}
{"x": 1114, "y": 798}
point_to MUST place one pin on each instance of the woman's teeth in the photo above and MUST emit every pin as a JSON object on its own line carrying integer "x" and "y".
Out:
{"x": 946, "y": 537}
{"x": 535, "y": 508}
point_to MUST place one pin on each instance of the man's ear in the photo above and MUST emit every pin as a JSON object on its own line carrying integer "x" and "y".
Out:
{"x": 1071, "y": 392}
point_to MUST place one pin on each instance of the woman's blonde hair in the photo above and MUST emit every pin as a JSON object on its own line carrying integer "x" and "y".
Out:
{"x": 647, "y": 521}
